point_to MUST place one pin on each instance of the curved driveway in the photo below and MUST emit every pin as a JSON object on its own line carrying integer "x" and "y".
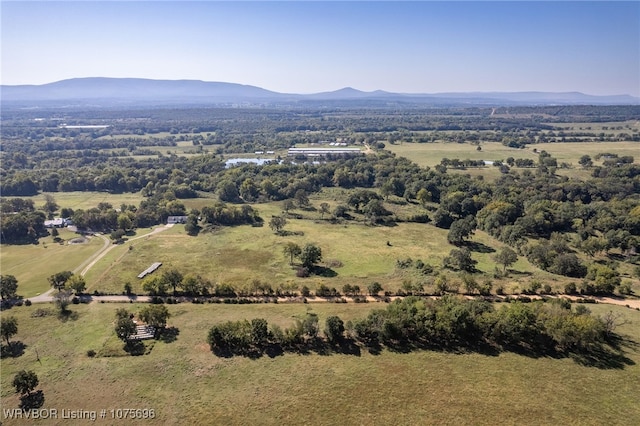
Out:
{"x": 85, "y": 266}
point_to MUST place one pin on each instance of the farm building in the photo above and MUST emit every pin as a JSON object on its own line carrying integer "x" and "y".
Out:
{"x": 150, "y": 269}
{"x": 176, "y": 219}
{"x": 56, "y": 223}
{"x": 321, "y": 152}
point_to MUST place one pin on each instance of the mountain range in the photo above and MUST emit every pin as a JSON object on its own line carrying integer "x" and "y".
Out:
{"x": 100, "y": 91}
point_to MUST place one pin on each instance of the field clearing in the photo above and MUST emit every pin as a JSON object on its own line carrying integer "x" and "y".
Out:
{"x": 239, "y": 255}
{"x": 32, "y": 264}
{"x": 355, "y": 254}
{"x": 571, "y": 152}
{"x": 609, "y": 126}
{"x": 430, "y": 154}
{"x": 185, "y": 383}
{"x": 86, "y": 200}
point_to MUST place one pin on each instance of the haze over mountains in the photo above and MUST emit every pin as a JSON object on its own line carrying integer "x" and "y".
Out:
{"x": 100, "y": 91}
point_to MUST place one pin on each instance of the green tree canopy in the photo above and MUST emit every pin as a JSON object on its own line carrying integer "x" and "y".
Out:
{"x": 8, "y": 286}
{"x": 8, "y": 327}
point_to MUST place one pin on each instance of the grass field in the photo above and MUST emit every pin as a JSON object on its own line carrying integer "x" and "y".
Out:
{"x": 86, "y": 200}
{"x": 430, "y": 154}
{"x": 32, "y": 264}
{"x": 238, "y": 255}
{"x": 186, "y": 384}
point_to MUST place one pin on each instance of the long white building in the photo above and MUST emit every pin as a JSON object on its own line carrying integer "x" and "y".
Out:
{"x": 319, "y": 152}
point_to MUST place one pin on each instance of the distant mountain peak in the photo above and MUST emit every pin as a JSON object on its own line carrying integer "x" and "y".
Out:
{"x": 106, "y": 90}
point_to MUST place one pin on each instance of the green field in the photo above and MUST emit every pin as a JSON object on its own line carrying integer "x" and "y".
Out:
{"x": 32, "y": 264}
{"x": 185, "y": 383}
{"x": 86, "y": 200}
{"x": 430, "y": 154}
{"x": 238, "y": 255}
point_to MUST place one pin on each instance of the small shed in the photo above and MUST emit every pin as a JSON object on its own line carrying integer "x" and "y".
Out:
{"x": 150, "y": 269}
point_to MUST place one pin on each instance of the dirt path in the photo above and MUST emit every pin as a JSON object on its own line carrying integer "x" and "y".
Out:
{"x": 106, "y": 249}
{"x": 90, "y": 262}
{"x": 631, "y": 303}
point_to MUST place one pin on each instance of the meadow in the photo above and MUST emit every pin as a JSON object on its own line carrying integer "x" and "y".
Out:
{"x": 89, "y": 199}
{"x": 353, "y": 252}
{"x": 186, "y": 384}
{"x": 430, "y": 154}
{"x": 32, "y": 264}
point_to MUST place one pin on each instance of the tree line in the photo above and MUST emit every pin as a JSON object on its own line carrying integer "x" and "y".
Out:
{"x": 447, "y": 323}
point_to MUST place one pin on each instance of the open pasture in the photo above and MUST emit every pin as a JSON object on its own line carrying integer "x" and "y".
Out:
{"x": 32, "y": 264}
{"x": 86, "y": 200}
{"x": 430, "y": 154}
{"x": 354, "y": 253}
{"x": 184, "y": 383}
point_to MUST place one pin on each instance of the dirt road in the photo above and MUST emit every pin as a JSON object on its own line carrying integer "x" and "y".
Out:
{"x": 90, "y": 262}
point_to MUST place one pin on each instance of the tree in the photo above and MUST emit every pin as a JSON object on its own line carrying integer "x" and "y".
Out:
{"x": 311, "y": 254}
{"x": 605, "y": 278}
{"x": 77, "y": 283}
{"x": 124, "y": 222}
{"x": 50, "y": 205}
{"x": 374, "y": 288}
{"x": 8, "y": 327}
{"x": 59, "y": 279}
{"x": 228, "y": 191}
{"x": 506, "y": 257}
{"x": 172, "y": 278}
{"x": 310, "y": 325}
{"x": 8, "y": 287}
{"x": 191, "y": 226}
{"x": 423, "y": 196}
{"x": 375, "y": 209}
{"x": 287, "y": 205}
{"x": 25, "y": 382}
{"x": 334, "y": 328}
{"x": 301, "y": 197}
{"x": 277, "y": 224}
{"x": 155, "y": 286}
{"x": 292, "y": 250}
{"x": 125, "y": 327}
{"x": 593, "y": 245}
{"x": 569, "y": 265}
{"x": 460, "y": 259}
{"x": 324, "y": 209}
{"x": 460, "y": 230}
{"x": 62, "y": 300}
{"x": 585, "y": 161}
{"x": 259, "y": 331}
{"x": 155, "y": 315}
{"x": 195, "y": 285}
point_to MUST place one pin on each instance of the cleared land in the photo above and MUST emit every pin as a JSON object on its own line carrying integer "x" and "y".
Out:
{"x": 185, "y": 383}
{"x": 430, "y": 154}
{"x": 32, "y": 264}
{"x": 86, "y": 200}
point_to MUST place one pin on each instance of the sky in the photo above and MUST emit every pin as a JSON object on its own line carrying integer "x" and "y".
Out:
{"x": 309, "y": 47}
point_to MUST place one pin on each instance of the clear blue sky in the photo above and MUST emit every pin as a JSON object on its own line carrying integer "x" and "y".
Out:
{"x": 307, "y": 47}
